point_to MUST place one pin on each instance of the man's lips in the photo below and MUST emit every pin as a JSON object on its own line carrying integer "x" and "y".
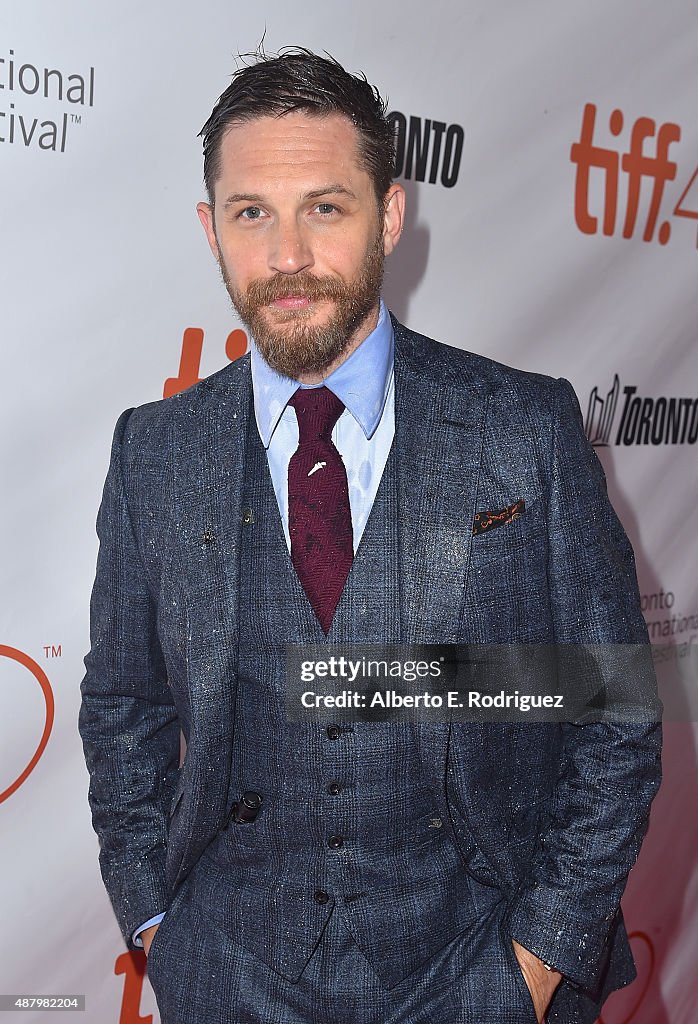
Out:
{"x": 292, "y": 302}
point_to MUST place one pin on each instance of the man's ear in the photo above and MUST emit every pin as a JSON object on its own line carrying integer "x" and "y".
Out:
{"x": 205, "y": 213}
{"x": 394, "y": 216}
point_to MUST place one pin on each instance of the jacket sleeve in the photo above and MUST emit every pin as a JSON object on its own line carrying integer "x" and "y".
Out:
{"x": 127, "y": 720}
{"x": 610, "y": 768}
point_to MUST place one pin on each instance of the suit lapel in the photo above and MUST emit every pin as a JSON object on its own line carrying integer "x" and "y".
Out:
{"x": 439, "y": 426}
{"x": 209, "y": 471}
{"x": 440, "y": 416}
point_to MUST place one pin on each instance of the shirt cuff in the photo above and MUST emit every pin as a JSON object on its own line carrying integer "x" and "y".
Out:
{"x": 148, "y": 924}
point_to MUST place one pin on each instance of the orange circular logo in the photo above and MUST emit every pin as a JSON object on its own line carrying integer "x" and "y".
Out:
{"x": 42, "y": 679}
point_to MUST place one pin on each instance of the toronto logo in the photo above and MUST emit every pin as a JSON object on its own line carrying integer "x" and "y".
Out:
{"x": 626, "y": 417}
{"x": 427, "y": 150}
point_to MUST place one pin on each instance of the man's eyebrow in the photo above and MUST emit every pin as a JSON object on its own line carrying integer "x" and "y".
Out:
{"x": 242, "y": 197}
{"x": 316, "y": 193}
{"x": 330, "y": 190}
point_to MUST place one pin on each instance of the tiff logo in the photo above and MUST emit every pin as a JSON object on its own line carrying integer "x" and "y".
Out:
{"x": 190, "y": 358}
{"x": 647, "y": 157}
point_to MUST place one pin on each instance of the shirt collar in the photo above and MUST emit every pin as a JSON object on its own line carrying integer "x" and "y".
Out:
{"x": 361, "y": 382}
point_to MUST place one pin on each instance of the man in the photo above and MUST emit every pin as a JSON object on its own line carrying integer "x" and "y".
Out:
{"x": 351, "y": 482}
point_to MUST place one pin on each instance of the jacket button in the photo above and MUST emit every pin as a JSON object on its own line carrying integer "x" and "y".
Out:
{"x": 333, "y": 732}
{"x": 334, "y": 789}
{"x": 335, "y": 842}
{"x": 321, "y": 897}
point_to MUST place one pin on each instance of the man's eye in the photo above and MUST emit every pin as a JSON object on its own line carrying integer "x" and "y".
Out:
{"x": 326, "y": 208}
{"x": 251, "y": 213}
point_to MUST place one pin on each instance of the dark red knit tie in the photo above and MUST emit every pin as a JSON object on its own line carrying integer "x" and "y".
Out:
{"x": 319, "y": 516}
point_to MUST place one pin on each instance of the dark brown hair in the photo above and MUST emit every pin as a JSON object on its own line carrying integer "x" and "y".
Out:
{"x": 297, "y": 79}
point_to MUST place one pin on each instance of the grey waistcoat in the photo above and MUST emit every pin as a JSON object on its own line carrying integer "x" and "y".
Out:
{"x": 397, "y": 879}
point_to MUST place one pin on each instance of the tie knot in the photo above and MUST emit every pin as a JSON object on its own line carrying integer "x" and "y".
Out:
{"x": 317, "y": 411}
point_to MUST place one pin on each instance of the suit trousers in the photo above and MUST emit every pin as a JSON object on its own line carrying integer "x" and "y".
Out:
{"x": 201, "y": 976}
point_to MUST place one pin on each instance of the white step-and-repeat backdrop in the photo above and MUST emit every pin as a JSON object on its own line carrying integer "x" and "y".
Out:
{"x": 550, "y": 156}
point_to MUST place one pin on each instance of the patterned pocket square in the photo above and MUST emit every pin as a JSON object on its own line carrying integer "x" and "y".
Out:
{"x": 489, "y": 520}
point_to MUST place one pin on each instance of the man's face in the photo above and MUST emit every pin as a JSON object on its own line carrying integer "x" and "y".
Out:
{"x": 300, "y": 238}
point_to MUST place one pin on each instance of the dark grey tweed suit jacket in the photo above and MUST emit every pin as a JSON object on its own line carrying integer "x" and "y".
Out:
{"x": 558, "y": 812}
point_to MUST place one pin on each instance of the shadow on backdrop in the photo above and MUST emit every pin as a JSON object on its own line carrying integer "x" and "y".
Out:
{"x": 406, "y": 266}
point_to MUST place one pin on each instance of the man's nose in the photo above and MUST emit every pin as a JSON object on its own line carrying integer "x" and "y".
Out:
{"x": 290, "y": 251}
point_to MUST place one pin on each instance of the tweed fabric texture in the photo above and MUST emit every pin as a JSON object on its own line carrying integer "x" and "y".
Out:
{"x": 198, "y": 974}
{"x": 555, "y": 814}
{"x": 398, "y": 880}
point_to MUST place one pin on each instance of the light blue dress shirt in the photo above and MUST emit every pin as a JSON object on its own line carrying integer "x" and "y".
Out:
{"x": 362, "y": 435}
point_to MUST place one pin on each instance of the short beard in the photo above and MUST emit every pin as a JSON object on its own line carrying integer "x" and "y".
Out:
{"x": 291, "y": 346}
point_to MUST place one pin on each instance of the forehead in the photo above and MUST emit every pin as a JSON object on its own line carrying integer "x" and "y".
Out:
{"x": 290, "y": 151}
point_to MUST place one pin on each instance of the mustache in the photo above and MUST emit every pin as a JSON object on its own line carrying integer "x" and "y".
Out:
{"x": 263, "y": 292}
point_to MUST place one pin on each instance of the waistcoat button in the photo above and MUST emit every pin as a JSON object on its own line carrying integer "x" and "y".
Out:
{"x": 335, "y": 842}
{"x": 333, "y": 732}
{"x": 321, "y": 897}
{"x": 334, "y": 789}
